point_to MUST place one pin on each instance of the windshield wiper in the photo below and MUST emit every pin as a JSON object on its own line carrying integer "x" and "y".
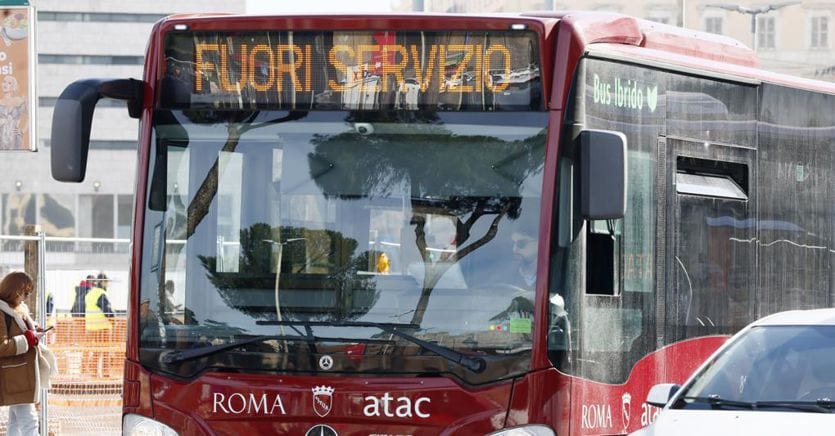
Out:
{"x": 717, "y": 402}
{"x": 472, "y": 363}
{"x": 196, "y": 353}
{"x": 823, "y": 405}
{"x": 826, "y": 402}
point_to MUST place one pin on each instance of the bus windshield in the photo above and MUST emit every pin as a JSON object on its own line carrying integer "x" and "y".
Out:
{"x": 341, "y": 241}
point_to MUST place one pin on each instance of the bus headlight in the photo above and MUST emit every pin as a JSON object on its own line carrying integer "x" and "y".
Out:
{"x": 135, "y": 425}
{"x": 525, "y": 430}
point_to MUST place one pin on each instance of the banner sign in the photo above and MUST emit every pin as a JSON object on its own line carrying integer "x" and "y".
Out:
{"x": 17, "y": 79}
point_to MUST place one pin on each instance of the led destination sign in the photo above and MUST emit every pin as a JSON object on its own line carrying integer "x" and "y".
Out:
{"x": 283, "y": 70}
{"x": 353, "y": 70}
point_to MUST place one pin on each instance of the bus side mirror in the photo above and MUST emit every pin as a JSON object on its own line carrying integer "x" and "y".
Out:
{"x": 72, "y": 119}
{"x": 602, "y": 174}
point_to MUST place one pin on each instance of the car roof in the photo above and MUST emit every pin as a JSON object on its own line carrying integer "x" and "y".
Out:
{"x": 799, "y": 317}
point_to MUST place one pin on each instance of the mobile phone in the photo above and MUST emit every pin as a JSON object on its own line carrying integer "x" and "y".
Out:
{"x": 48, "y": 328}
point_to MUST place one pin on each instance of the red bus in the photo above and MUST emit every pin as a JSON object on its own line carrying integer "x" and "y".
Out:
{"x": 448, "y": 224}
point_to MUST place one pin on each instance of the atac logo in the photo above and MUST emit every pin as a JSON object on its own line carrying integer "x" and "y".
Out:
{"x": 322, "y": 400}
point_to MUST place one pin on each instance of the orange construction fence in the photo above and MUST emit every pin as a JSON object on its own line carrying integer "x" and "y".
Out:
{"x": 90, "y": 363}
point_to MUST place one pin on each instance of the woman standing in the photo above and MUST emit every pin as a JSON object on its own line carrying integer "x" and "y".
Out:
{"x": 19, "y": 375}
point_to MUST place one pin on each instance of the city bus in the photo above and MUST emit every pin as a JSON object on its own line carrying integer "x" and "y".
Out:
{"x": 451, "y": 224}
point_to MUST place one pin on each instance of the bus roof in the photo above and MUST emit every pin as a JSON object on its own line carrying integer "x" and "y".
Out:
{"x": 643, "y": 41}
{"x": 612, "y": 28}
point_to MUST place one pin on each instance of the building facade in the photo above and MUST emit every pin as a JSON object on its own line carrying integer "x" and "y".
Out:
{"x": 81, "y": 39}
{"x": 794, "y": 39}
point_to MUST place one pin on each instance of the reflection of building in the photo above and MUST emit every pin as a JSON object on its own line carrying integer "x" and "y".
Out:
{"x": 795, "y": 40}
{"x": 81, "y": 39}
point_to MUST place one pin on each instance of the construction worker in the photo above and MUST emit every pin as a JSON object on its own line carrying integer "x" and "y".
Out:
{"x": 80, "y": 292}
{"x": 97, "y": 307}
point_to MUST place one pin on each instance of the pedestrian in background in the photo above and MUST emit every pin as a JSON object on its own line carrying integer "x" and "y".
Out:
{"x": 19, "y": 373}
{"x": 97, "y": 308}
{"x": 78, "y": 306}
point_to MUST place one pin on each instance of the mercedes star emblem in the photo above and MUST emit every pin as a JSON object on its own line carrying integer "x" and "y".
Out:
{"x": 321, "y": 430}
{"x": 326, "y": 362}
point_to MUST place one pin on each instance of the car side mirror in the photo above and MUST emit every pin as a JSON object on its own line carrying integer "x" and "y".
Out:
{"x": 602, "y": 174}
{"x": 660, "y": 394}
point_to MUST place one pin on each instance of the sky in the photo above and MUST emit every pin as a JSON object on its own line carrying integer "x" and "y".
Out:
{"x": 316, "y": 6}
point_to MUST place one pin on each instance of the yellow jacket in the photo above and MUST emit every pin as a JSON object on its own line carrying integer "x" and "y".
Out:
{"x": 94, "y": 318}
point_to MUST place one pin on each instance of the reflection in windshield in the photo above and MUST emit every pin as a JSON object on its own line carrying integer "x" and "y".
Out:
{"x": 770, "y": 367}
{"x": 298, "y": 224}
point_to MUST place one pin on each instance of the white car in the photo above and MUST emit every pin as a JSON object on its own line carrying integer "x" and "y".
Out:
{"x": 775, "y": 377}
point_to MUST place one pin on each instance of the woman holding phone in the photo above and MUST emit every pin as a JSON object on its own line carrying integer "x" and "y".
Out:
{"x": 19, "y": 337}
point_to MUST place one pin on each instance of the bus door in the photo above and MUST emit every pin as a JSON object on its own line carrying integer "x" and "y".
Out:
{"x": 711, "y": 225}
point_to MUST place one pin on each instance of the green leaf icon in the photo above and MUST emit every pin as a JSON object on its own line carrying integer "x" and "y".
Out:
{"x": 652, "y": 97}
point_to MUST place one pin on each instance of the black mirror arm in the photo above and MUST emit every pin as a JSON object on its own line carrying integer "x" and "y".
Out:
{"x": 131, "y": 90}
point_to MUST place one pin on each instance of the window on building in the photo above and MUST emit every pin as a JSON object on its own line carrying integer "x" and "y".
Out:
{"x": 105, "y": 102}
{"x": 19, "y": 210}
{"x": 662, "y": 15}
{"x": 608, "y": 7}
{"x": 90, "y": 59}
{"x": 96, "y": 220}
{"x": 766, "y": 30}
{"x": 101, "y": 144}
{"x": 820, "y": 32}
{"x": 99, "y": 17}
{"x": 57, "y": 214}
{"x": 56, "y": 217}
{"x": 660, "y": 18}
{"x": 124, "y": 215}
{"x": 714, "y": 25}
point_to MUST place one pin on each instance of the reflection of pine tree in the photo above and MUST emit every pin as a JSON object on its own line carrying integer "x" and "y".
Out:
{"x": 254, "y": 282}
{"x": 519, "y": 307}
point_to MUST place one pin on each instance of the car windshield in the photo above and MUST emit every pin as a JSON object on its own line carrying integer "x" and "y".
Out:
{"x": 768, "y": 368}
{"x": 275, "y": 238}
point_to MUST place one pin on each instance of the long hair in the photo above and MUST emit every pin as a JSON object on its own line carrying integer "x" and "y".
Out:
{"x": 12, "y": 284}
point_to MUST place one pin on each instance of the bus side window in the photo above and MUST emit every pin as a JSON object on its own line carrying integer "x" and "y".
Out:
{"x": 602, "y": 257}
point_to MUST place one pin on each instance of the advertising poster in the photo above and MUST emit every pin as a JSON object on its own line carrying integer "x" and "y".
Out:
{"x": 16, "y": 78}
